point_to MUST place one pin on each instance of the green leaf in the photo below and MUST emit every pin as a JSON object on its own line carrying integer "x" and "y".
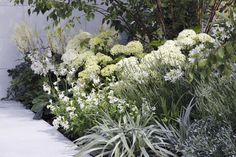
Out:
{"x": 202, "y": 63}
{"x": 221, "y": 53}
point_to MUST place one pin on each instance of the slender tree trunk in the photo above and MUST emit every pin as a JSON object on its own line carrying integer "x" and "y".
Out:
{"x": 160, "y": 17}
{"x": 214, "y": 8}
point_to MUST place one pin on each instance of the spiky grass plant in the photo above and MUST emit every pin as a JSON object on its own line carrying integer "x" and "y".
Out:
{"x": 216, "y": 98}
{"x": 127, "y": 138}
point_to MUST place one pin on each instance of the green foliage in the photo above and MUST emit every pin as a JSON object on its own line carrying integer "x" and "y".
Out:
{"x": 167, "y": 99}
{"x": 221, "y": 59}
{"x": 209, "y": 137}
{"x": 217, "y": 98}
{"x": 59, "y": 10}
{"x": 26, "y": 87}
{"x": 126, "y": 137}
{"x": 146, "y": 20}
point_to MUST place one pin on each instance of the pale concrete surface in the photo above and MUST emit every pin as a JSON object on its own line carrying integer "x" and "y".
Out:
{"x": 21, "y": 136}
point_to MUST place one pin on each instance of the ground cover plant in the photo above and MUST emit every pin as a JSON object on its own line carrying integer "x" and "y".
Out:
{"x": 175, "y": 99}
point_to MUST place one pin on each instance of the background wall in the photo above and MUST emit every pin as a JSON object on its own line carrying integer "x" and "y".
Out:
{"x": 10, "y": 16}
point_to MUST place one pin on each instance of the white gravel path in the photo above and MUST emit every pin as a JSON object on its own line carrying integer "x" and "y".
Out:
{"x": 21, "y": 136}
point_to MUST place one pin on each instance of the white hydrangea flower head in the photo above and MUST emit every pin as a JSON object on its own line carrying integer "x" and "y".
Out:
{"x": 187, "y": 33}
{"x": 134, "y": 47}
{"x": 103, "y": 59}
{"x": 186, "y": 38}
{"x": 82, "y": 58}
{"x": 91, "y": 69}
{"x": 168, "y": 54}
{"x": 95, "y": 41}
{"x": 127, "y": 63}
{"x": 117, "y": 49}
{"x": 149, "y": 59}
{"x": 205, "y": 38}
{"x": 109, "y": 70}
{"x": 170, "y": 42}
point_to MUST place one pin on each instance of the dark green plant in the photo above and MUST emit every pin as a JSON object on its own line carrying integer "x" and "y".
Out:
{"x": 26, "y": 87}
{"x": 143, "y": 19}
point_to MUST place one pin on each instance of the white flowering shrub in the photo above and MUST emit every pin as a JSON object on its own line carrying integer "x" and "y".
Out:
{"x": 162, "y": 76}
{"x": 83, "y": 80}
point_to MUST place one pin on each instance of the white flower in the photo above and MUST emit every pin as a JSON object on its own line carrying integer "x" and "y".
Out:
{"x": 65, "y": 125}
{"x": 70, "y": 108}
{"x": 134, "y": 47}
{"x": 173, "y": 75}
{"x": 187, "y": 33}
{"x": 127, "y": 62}
{"x": 117, "y": 49}
{"x": 69, "y": 56}
{"x": 66, "y": 99}
{"x": 204, "y": 38}
{"x": 95, "y": 79}
{"x": 46, "y": 88}
{"x": 51, "y": 107}
{"x": 60, "y": 121}
{"x": 186, "y": 38}
{"x": 56, "y": 122}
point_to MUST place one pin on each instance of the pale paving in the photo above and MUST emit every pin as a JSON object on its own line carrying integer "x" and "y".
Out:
{"x": 21, "y": 136}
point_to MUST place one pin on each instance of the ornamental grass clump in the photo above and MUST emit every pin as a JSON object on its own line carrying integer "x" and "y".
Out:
{"x": 127, "y": 137}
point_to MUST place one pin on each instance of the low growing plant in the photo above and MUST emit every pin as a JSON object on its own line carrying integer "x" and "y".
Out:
{"x": 127, "y": 137}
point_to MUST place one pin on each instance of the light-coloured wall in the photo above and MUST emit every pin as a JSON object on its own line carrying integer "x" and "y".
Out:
{"x": 10, "y": 16}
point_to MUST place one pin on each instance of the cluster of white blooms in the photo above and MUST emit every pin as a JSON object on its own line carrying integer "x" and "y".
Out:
{"x": 132, "y": 48}
{"x": 130, "y": 68}
{"x": 204, "y": 38}
{"x": 167, "y": 54}
{"x": 69, "y": 56}
{"x": 109, "y": 70}
{"x": 222, "y": 32}
{"x": 80, "y": 55}
{"x": 60, "y": 121}
{"x": 170, "y": 55}
{"x": 42, "y": 62}
{"x": 173, "y": 75}
{"x": 121, "y": 104}
{"x": 199, "y": 52}
{"x": 104, "y": 39}
{"x": 147, "y": 110}
{"x": 186, "y": 38}
{"x": 71, "y": 111}
{"x": 130, "y": 62}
